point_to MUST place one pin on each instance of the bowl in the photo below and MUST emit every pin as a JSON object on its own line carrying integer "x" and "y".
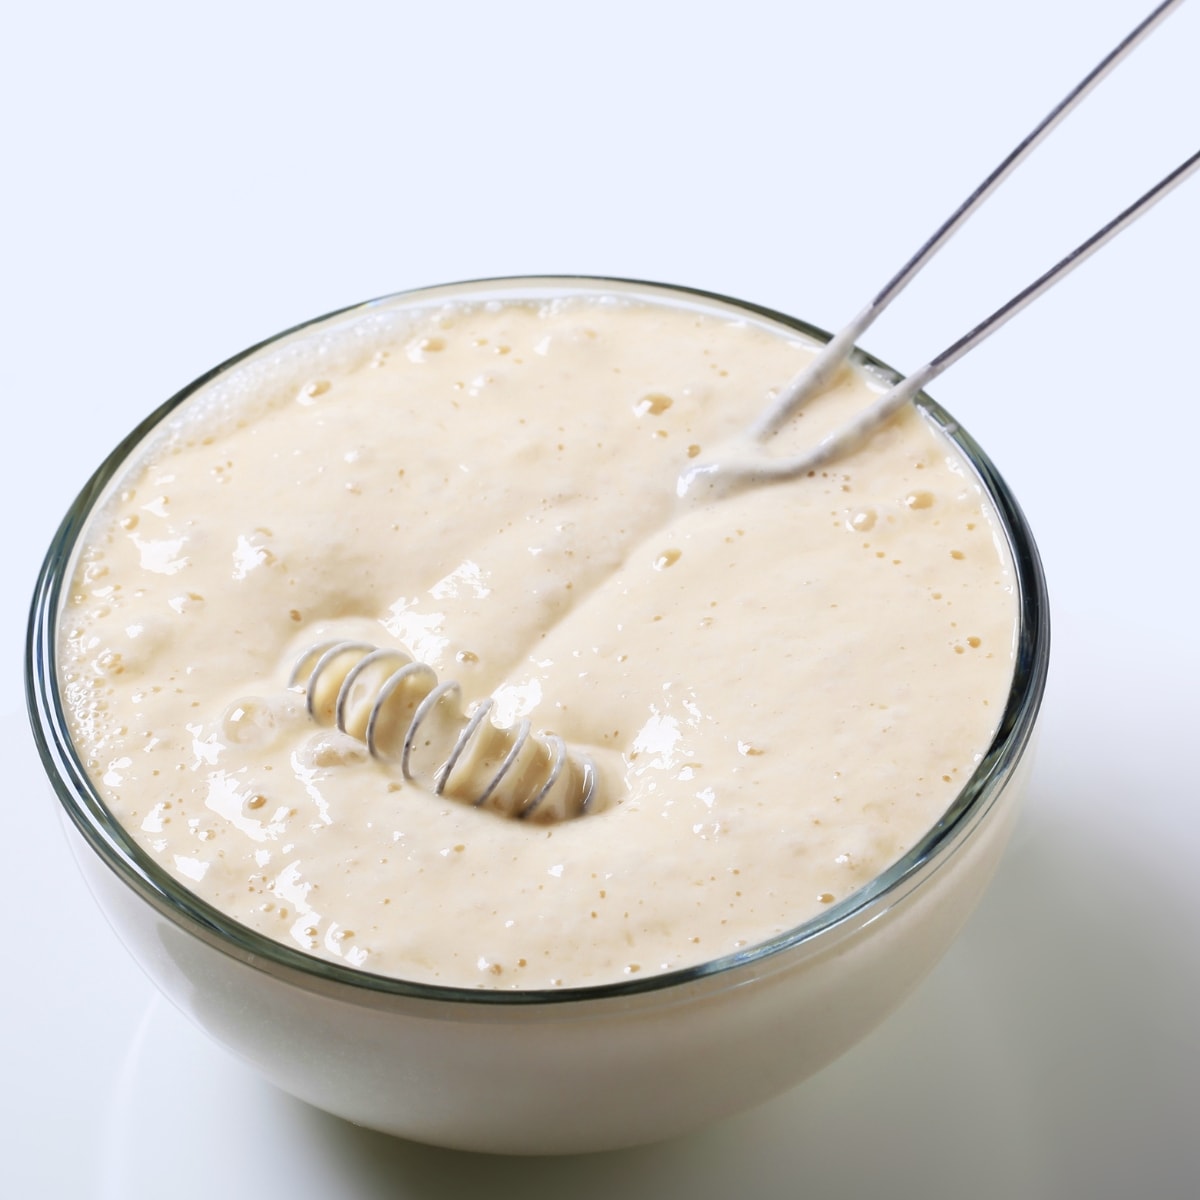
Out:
{"x": 569, "y": 1069}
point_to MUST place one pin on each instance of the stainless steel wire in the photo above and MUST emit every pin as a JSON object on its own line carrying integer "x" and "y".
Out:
{"x": 724, "y": 476}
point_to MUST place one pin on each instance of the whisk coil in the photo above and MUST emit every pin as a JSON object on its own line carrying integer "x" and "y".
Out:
{"x": 518, "y": 773}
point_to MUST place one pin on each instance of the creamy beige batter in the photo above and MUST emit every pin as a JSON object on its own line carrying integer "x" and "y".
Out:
{"x": 782, "y": 691}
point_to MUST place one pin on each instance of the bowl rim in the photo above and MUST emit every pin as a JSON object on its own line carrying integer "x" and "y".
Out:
{"x": 85, "y": 809}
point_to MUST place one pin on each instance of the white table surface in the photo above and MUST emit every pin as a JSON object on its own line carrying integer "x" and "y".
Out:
{"x": 183, "y": 180}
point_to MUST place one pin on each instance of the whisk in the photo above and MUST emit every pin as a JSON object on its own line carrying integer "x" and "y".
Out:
{"x": 716, "y": 478}
{"x": 399, "y": 708}
{"x": 397, "y": 705}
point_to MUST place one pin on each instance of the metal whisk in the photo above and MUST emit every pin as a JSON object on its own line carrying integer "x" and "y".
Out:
{"x": 398, "y": 707}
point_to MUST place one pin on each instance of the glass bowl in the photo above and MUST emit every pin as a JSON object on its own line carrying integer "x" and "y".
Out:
{"x": 572, "y": 1069}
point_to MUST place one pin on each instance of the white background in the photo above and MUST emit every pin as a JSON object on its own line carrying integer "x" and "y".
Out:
{"x": 180, "y": 181}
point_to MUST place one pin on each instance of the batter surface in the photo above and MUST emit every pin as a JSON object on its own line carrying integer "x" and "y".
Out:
{"x": 782, "y": 691}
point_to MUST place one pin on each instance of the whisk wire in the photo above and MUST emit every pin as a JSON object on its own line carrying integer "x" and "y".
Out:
{"x": 724, "y": 477}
